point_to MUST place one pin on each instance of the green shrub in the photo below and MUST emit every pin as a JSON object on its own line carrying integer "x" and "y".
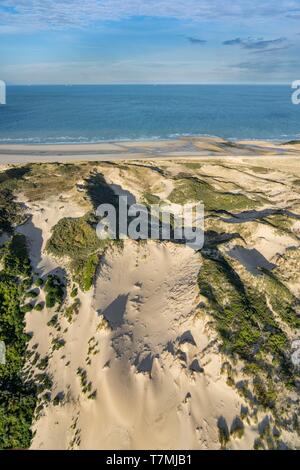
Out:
{"x": 74, "y": 292}
{"x": 281, "y": 299}
{"x": 265, "y": 392}
{"x": 192, "y": 189}
{"x": 54, "y": 291}
{"x": 17, "y": 394}
{"x": 85, "y": 385}
{"x": 84, "y": 270}
{"x": 53, "y": 321}
{"x": 151, "y": 199}
{"x": 50, "y": 300}
{"x": 237, "y": 428}
{"x": 11, "y": 212}
{"x": 15, "y": 259}
{"x": 27, "y": 283}
{"x": 74, "y": 238}
{"x": 27, "y": 308}
{"x": 72, "y": 310}
{"x": 32, "y": 294}
{"x": 39, "y": 307}
{"x": 77, "y": 239}
{"x": 258, "y": 444}
{"x": 39, "y": 282}
{"x": 58, "y": 343}
{"x": 247, "y": 326}
{"x": 58, "y": 399}
{"x": 224, "y": 436}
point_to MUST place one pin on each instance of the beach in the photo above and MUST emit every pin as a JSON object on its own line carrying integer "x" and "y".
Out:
{"x": 183, "y": 148}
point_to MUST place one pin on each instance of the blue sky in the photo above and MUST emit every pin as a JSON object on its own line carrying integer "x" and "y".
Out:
{"x": 149, "y": 41}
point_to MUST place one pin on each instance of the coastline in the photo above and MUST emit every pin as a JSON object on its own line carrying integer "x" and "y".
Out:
{"x": 183, "y": 148}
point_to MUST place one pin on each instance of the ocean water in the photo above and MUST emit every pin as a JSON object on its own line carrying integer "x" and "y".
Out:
{"x": 79, "y": 114}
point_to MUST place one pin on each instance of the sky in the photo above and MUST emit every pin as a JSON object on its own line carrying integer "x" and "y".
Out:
{"x": 149, "y": 41}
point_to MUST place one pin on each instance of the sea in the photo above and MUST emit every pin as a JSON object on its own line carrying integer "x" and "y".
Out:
{"x": 89, "y": 114}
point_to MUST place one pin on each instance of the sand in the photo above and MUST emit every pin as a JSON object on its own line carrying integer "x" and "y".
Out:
{"x": 150, "y": 353}
{"x": 157, "y": 372}
{"x": 185, "y": 148}
{"x": 43, "y": 216}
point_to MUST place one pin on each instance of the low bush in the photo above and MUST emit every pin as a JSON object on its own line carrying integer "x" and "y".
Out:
{"x": 17, "y": 394}
{"x": 39, "y": 307}
{"x": 54, "y": 290}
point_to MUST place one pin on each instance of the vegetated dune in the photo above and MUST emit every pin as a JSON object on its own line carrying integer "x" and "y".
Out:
{"x": 151, "y": 345}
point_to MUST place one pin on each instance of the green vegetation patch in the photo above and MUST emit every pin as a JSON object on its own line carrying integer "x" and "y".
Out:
{"x": 193, "y": 165}
{"x": 54, "y": 290}
{"x": 39, "y": 282}
{"x": 74, "y": 292}
{"x": 260, "y": 170}
{"x": 11, "y": 212}
{"x": 41, "y": 181}
{"x": 224, "y": 435}
{"x": 77, "y": 239}
{"x": 195, "y": 190}
{"x": 27, "y": 308}
{"x": 151, "y": 199}
{"x": 72, "y": 310}
{"x": 281, "y": 299}
{"x": 74, "y": 238}
{"x": 15, "y": 257}
{"x": 84, "y": 270}
{"x": 281, "y": 222}
{"x": 39, "y": 307}
{"x": 86, "y": 386}
{"x": 247, "y": 325}
{"x": 17, "y": 394}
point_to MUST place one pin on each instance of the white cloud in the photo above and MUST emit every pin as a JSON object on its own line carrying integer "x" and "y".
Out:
{"x": 57, "y": 14}
{"x": 124, "y": 71}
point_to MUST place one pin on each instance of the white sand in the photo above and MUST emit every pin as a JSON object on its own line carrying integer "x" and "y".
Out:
{"x": 151, "y": 390}
{"x": 188, "y": 147}
{"x": 43, "y": 216}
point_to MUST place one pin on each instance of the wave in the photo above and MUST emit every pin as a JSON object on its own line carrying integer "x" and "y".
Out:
{"x": 65, "y": 140}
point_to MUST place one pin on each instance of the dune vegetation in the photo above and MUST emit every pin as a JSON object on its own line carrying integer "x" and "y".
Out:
{"x": 17, "y": 393}
{"x": 76, "y": 239}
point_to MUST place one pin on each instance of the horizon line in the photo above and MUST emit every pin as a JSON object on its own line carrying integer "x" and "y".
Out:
{"x": 155, "y": 84}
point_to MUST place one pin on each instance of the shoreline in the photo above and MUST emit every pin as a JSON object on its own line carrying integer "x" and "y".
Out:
{"x": 183, "y": 148}
{"x": 154, "y": 139}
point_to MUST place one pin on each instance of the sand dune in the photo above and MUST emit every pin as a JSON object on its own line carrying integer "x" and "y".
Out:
{"x": 157, "y": 373}
{"x": 141, "y": 364}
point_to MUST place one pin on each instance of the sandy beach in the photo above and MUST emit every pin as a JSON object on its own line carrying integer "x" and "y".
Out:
{"x": 185, "y": 148}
